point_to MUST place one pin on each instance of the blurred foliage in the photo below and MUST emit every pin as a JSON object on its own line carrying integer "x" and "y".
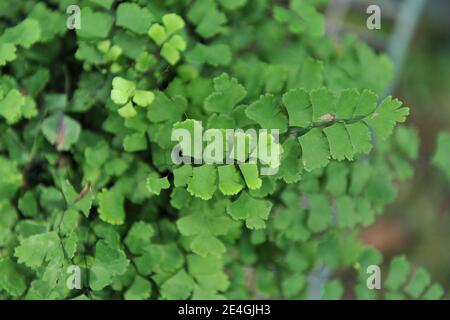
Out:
{"x": 420, "y": 217}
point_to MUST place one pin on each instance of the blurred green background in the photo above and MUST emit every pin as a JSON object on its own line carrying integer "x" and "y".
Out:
{"x": 418, "y": 222}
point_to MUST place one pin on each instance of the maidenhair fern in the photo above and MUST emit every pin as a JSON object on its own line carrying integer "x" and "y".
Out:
{"x": 86, "y": 152}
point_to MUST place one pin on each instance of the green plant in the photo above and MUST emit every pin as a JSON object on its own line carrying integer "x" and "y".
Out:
{"x": 87, "y": 176}
{"x": 442, "y": 152}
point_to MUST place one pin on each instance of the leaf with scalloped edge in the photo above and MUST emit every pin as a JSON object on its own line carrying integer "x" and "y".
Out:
{"x": 111, "y": 206}
{"x": 230, "y": 182}
{"x": 228, "y": 93}
{"x": 267, "y": 113}
{"x": 253, "y": 211}
{"x": 315, "y": 149}
{"x": 203, "y": 182}
{"x": 386, "y": 116}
